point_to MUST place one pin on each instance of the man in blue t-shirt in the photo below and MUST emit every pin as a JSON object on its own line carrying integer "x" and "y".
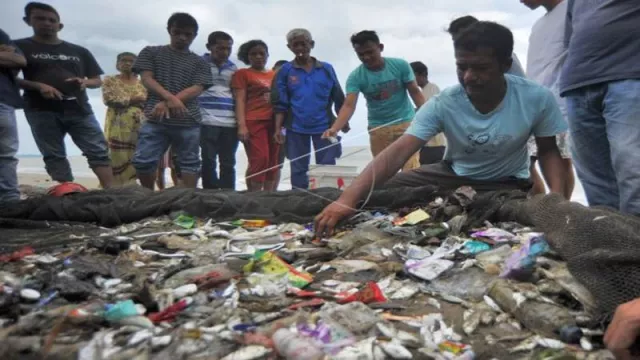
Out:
{"x": 600, "y": 81}
{"x": 487, "y": 120}
{"x": 386, "y": 84}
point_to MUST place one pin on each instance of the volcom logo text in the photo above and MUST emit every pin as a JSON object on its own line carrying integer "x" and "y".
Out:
{"x": 62, "y": 57}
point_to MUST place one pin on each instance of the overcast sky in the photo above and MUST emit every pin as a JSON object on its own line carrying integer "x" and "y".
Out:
{"x": 410, "y": 29}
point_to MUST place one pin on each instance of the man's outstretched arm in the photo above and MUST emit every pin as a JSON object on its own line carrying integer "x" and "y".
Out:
{"x": 379, "y": 170}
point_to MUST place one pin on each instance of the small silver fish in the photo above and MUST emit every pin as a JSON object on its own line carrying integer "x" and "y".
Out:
{"x": 395, "y": 350}
{"x": 526, "y": 345}
{"x": 492, "y": 304}
{"x": 250, "y": 352}
{"x": 585, "y": 344}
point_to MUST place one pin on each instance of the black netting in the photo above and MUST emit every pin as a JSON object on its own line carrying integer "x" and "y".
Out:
{"x": 601, "y": 246}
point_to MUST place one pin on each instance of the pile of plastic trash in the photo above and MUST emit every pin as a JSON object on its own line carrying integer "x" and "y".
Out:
{"x": 398, "y": 285}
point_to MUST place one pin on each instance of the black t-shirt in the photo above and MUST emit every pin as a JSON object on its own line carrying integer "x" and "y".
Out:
{"x": 9, "y": 91}
{"x": 52, "y": 65}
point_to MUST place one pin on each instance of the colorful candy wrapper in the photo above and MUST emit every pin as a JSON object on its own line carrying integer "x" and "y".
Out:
{"x": 267, "y": 262}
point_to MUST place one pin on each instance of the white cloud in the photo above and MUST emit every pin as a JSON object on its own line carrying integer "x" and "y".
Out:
{"x": 414, "y": 30}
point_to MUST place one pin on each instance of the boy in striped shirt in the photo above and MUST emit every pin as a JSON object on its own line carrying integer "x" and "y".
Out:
{"x": 219, "y": 134}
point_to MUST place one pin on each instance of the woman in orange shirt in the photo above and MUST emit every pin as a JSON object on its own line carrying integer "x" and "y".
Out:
{"x": 252, "y": 88}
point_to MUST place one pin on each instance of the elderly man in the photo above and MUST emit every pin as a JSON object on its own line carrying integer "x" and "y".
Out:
{"x": 303, "y": 93}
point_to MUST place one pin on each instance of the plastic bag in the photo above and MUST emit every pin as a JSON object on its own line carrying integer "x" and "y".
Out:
{"x": 267, "y": 262}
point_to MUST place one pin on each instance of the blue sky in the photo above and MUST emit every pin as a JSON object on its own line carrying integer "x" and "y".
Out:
{"x": 408, "y": 31}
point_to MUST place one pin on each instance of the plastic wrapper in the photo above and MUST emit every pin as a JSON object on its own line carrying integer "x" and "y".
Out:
{"x": 267, "y": 262}
{"x": 523, "y": 260}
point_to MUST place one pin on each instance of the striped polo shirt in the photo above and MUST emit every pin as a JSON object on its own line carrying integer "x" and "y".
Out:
{"x": 174, "y": 71}
{"x": 217, "y": 103}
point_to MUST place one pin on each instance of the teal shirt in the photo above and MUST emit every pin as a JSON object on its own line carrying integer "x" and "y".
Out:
{"x": 385, "y": 91}
{"x": 490, "y": 146}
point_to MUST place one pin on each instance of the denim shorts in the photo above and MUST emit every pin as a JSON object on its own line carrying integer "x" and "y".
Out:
{"x": 155, "y": 139}
{"x": 49, "y": 129}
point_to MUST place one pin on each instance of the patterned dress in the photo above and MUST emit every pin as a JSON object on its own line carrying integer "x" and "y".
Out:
{"x": 122, "y": 125}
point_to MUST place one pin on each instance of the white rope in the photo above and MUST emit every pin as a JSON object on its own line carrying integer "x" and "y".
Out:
{"x": 364, "y": 203}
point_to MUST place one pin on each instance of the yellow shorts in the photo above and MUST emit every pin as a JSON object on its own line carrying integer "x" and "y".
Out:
{"x": 384, "y": 136}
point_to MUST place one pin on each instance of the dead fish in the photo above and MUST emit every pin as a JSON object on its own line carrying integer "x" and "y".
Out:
{"x": 526, "y": 345}
{"x": 250, "y": 352}
{"x": 361, "y": 350}
{"x": 487, "y": 318}
{"x": 435, "y": 303}
{"x": 585, "y": 344}
{"x": 590, "y": 332}
{"x": 492, "y": 304}
{"x": 400, "y": 336}
{"x": 471, "y": 322}
{"x": 550, "y": 343}
{"x": 406, "y": 292}
{"x": 468, "y": 263}
{"x": 395, "y": 350}
{"x": 504, "y": 317}
{"x": 519, "y": 298}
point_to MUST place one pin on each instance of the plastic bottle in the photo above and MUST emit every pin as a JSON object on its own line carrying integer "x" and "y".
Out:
{"x": 291, "y": 346}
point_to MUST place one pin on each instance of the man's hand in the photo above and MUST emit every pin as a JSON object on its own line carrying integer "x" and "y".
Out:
{"x": 623, "y": 330}
{"x": 331, "y": 133}
{"x": 7, "y": 48}
{"x": 278, "y": 138}
{"x": 176, "y": 107}
{"x": 49, "y": 92}
{"x": 160, "y": 111}
{"x": 326, "y": 221}
{"x": 79, "y": 81}
{"x": 243, "y": 133}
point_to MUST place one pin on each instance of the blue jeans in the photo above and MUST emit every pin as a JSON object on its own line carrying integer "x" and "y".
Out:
{"x": 154, "y": 140}
{"x": 299, "y": 145}
{"x": 8, "y": 149}
{"x": 49, "y": 129}
{"x": 218, "y": 143}
{"x": 604, "y": 121}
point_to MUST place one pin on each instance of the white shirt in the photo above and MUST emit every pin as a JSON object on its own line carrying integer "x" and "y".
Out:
{"x": 547, "y": 51}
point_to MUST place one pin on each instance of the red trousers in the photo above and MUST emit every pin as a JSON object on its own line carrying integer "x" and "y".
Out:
{"x": 262, "y": 151}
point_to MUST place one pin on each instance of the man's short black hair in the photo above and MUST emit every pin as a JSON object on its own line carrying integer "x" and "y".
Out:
{"x": 364, "y": 37}
{"x": 182, "y": 20}
{"x": 40, "y": 6}
{"x": 460, "y": 24}
{"x": 419, "y": 68}
{"x": 487, "y": 34}
{"x": 218, "y": 35}
{"x": 243, "y": 51}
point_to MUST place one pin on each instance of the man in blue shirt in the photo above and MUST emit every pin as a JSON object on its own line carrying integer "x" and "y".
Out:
{"x": 601, "y": 83}
{"x": 219, "y": 131}
{"x": 487, "y": 120}
{"x": 303, "y": 93}
{"x": 11, "y": 60}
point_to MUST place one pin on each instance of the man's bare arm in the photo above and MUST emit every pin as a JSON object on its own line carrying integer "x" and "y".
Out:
{"x": 190, "y": 93}
{"x": 551, "y": 163}
{"x": 12, "y": 59}
{"x": 153, "y": 86}
{"x": 416, "y": 94}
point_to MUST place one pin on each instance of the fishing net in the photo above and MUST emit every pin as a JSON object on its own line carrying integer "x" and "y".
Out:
{"x": 600, "y": 245}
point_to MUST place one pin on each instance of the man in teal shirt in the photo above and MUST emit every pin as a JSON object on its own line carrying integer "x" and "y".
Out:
{"x": 486, "y": 119}
{"x": 385, "y": 83}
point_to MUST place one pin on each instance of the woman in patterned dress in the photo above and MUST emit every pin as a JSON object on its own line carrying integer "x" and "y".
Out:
{"x": 124, "y": 95}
